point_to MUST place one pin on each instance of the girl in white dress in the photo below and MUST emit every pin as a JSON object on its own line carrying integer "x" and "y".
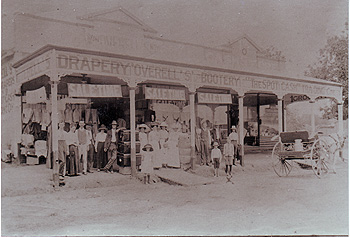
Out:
{"x": 147, "y": 163}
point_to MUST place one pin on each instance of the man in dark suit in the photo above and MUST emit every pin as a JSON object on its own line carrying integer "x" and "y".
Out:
{"x": 111, "y": 146}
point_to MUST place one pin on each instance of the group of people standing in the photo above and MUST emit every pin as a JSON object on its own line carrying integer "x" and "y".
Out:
{"x": 208, "y": 142}
{"x": 159, "y": 147}
{"x": 79, "y": 150}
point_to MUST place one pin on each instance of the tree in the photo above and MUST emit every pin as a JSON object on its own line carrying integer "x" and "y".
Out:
{"x": 333, "y": 66}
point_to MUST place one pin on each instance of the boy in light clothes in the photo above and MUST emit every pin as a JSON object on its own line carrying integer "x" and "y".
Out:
{"x": 216, "y": 157}
{"x": 229, "y": 153}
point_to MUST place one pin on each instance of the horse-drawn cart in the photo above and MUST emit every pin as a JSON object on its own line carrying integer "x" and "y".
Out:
{"x": 317, "y": 153}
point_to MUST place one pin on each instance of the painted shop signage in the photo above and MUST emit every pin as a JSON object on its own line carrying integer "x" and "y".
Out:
{"x": 211, "y": 98}
{"x": 141, "y": 71}
{"x": 89, "y": 90}
{"x": 164, "y": 94}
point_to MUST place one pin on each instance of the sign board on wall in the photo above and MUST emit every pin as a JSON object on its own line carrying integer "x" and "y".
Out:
{"x": 211, "y": 98}
{"x": 164, "y": 94}
{"x": 89, "y": 90}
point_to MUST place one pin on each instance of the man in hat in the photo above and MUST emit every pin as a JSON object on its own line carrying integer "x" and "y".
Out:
{"x": 85, "y": 139}
{"x": 205, "y": 143}
{"x": 90, "y": 152}
{"x": 101, "y": 160}
{"x": 111, "y": 146}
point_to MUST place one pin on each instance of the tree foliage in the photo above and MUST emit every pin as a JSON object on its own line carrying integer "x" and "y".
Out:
{"x": 333, "y": 66}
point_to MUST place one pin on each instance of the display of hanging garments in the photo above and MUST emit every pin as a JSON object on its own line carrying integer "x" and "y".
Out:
{"x": 37, "y": 114}
{"x": 68, "y": 115}
{"x": 27, "y": 115}
{"x": 61, "y": 116}
{"x": 94, "y": 115}
{"x": 76, "y": 115}
{"x": 88, "y": 118}
{"x": 45, "y": 117}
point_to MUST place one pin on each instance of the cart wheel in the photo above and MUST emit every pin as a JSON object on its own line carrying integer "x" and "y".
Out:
{"x": 281, "y": 166}
{"x": 321, "y": 158}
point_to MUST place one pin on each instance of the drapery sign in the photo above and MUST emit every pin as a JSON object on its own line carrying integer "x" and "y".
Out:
{"x": 164, "y": 94}
{"x": 211, "y": 98}
{"x": 36, "y": 96}
{"x": 89, "y": 90}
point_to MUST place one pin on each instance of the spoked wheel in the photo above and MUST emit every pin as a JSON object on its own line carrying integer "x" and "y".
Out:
{"x": 281, "y": 166}
{"x": 322, "y": 158}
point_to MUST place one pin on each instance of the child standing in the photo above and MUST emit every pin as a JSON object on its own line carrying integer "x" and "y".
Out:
{"x": 147, "y": 163}
{"x": 229, "y": 153}
{"x": 216, "y": 158}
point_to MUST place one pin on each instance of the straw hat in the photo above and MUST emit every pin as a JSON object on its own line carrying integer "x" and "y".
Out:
{"x": 163, "y": 124}
{"x": 154, "y": 124}
{"x": 233, "y": 127}
{"x": 216, "y": 144}
{"x": 103, "y": 127}
{"x": 114, "y": 122}
{"x": 143, "y": 126}
{"x": 147, "y": 146}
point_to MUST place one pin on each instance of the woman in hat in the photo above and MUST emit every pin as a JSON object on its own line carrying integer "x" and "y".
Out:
{"x": 153, "y": 138}
{"x": 143, "y": 136}
{"x": 147, "y": 162}
{"x": 173, "y": 156}
{"x": 101, "y": 157}
{"x": 163, "y": 141}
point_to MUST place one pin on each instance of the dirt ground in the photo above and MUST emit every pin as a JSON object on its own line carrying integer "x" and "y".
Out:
{"x": 258, "y": 203}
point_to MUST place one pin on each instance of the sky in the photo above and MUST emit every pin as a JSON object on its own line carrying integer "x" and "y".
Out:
{"x": 298, "y": 28}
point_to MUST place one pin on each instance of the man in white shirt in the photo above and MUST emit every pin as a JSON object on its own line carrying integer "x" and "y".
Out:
{"x": 84, "y": 139}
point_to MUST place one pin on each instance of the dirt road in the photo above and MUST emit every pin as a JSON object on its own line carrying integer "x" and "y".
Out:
{"x": 258, "y": 203}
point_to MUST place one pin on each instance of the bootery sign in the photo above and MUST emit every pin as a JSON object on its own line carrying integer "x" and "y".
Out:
{"x": 211, "y": 98}
{"x": 89, "y": 90}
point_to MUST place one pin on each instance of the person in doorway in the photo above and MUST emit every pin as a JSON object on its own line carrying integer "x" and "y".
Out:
{"x": 111, "y": 146}
{"x": 205, "y": 144}
{"x": 62, "y": 148}
{"x": 163, "y": 142}
{"x": 173, "y": 156}
{"x": 233, "y": 137}
{"x": 229, "y": 153}
{"x": 216, "y": 157}
{"x": 73, "y": 167}
{"x": 91, "y": 150}
{"x": 147, "y": 163}
{"x": 84, "y": 138}
{"x": 99, "y": 147}
{"x": 153, "y": 138}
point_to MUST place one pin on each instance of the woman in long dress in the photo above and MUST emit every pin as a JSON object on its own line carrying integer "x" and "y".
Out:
{"x": 143, "y": 136}
{"x": 153, "y": 138}
{"x": 163, "y": 142}
{"x": 173, "y": 148}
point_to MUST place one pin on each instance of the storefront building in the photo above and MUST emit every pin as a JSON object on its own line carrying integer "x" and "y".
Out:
{"x": 111, "y": 65}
